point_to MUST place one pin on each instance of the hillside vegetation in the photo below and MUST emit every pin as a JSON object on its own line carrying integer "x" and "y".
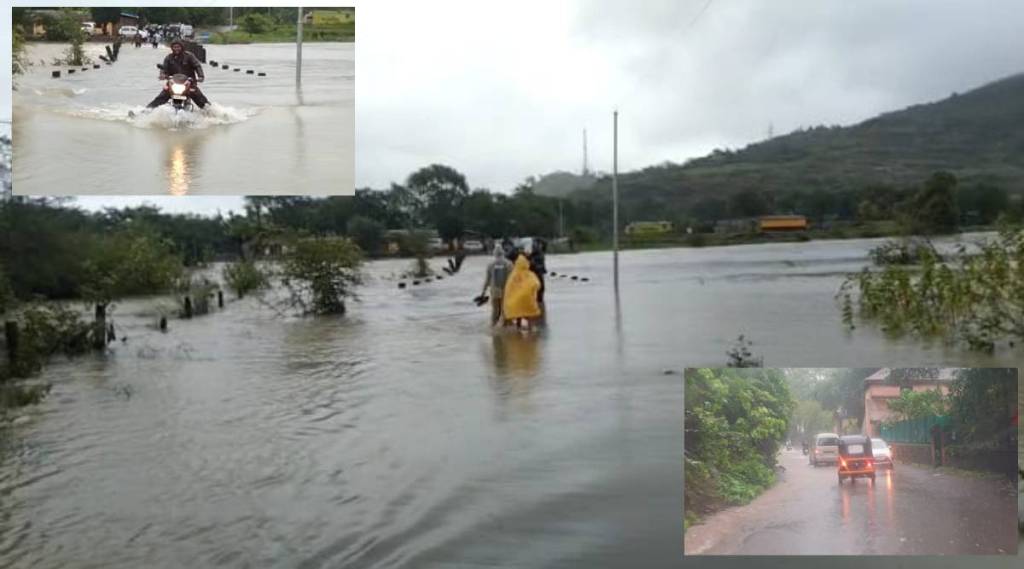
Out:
{"x": 977, "y": 136}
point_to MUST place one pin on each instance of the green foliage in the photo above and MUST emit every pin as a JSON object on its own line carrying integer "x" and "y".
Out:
{"x": 440, "y": 192}
{"x": 255, "y": 23}
{"x": 18, "y": 61}
{"x": 63, "y": 27}
{"x": 244, "y": 277}
{"x": 908, "y": 251}
{"x": 935, "y": 208}
{"x": 809, "y": 418}
{"x": 982, "y": 402}
{"x": 974, "y": 136}
{"x": 734, "y": 423}
{"x": 321, "y": 273}
{"x": 128, "y": 262}
{"x": 975, "y": 298}
{"x": 367, "y": 233}
{"x": 14, "y": 396}
{"x": 918, "y": 404}
{"x": 7, "y": 298}
{"x": 45, "y": 331}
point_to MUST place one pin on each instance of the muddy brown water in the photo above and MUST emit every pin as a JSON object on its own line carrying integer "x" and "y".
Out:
{"x": 406, "y": 434}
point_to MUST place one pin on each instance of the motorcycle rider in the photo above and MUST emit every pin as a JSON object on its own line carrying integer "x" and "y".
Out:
{"x": 184, "y": 62}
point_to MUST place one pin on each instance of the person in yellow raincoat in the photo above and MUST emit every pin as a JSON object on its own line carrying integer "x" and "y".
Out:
{"x": 521, "y": 293}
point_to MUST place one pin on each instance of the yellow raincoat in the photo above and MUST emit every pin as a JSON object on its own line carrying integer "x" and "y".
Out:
{"x": 521, "y": 292}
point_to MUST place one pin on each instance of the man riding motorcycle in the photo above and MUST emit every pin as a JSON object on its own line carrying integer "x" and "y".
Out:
{"x": 181, "y": 61}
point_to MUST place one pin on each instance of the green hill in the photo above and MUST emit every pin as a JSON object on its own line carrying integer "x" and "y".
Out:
{"x": 560, "y": 184}
{"x": 978, "y": 136}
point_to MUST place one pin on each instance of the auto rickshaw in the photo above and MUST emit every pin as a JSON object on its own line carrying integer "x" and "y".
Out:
{"x": 855, "y": 458}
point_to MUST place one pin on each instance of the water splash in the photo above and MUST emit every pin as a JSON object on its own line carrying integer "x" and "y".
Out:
{"x": 167, "y": 118}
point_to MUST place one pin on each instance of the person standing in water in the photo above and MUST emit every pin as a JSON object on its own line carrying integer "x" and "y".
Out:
{"x": 520, "y": 303}
{"x": 537, "y": 266}
{"x": 497, "y": 275}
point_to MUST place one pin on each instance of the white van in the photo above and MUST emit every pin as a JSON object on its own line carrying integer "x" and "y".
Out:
{"x": 825, "y": 449}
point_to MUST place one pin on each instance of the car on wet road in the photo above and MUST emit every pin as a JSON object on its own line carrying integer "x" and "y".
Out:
{"x": 824, "y": 449}
{"x": 882, "y": 453}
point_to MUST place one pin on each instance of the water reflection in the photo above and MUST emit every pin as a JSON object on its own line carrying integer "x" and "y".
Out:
{"x": 178, "y": 177}
{"x": 517, "y": 362}
{"x": 516, "y": 357}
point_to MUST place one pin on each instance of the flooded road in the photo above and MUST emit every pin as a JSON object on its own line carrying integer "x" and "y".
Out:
{"x": 406, "y": 434}
{"x": 74, "y": 136}
{"x": 909, "y": 510}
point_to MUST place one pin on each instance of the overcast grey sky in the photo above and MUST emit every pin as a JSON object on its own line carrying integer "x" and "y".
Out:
{"x": 502, "y": 91}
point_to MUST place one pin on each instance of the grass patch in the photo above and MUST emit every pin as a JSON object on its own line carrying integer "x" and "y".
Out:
{"x": 286, "y": 34}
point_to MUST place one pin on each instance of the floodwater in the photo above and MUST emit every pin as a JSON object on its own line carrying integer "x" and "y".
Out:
{"x": 74, "y": 135}
{"x": 908, "y": 510}
{"x": 406, "y": 434}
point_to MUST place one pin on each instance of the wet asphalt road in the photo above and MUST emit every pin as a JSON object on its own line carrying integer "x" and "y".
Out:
{"x": 911, "y": 510}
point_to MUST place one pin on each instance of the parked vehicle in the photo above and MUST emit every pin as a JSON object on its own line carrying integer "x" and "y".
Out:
{"x": 856, "y": 459}
{"x": 883, "y": 454}
{"x": 90, "y": 28}
{"x": 127, "y": 31}
{"x": 824, "y": 449}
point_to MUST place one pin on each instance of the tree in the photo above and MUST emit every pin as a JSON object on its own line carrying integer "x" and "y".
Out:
{"x": 935, "y": 206}
{"x": 440, "y": 191}
{"x": 919, "y": 404}
{"x": 986, "y": 200}
{"x": 367, "y": 233}
{"x": 748, "y": 203}
{"x": 982, "y": 402}
{"x": 122, "y": 264}
{"x": 709, "y": 209}
{"x": 321, "y": 274}
{"x": 256, "y": 23}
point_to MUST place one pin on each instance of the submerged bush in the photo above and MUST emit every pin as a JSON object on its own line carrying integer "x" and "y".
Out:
{"x": 906, "y": 252}
{"x": 46, "y": 331}
{"x": 321, "y": 273}
{"x": 974, "y": 298}
{"x": 244, "y": 277}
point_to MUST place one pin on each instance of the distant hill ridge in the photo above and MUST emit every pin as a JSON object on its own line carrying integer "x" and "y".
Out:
{"x": 977, "y": 135}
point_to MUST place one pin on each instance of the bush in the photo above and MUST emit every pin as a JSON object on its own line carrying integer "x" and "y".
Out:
{"x": 256, "y": 23}
{"x": 321, "y": 273}
{"x": 367, "y": 233}
{"x": 46, "y": 331}
{"x": 906, "y": 252}
{"x": 244, "y": 277}
{"x": 975, "y": 298}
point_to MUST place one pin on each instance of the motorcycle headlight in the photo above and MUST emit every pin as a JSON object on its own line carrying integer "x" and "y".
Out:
{"x": 178, "y": 89}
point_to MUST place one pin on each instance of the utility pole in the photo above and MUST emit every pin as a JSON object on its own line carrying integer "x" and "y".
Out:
{"x": 298, "y": 51}
{"x": 585, "y": 152}
{"x": 615, "y": 197}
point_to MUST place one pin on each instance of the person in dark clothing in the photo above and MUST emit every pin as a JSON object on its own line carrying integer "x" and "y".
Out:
{"x": 181, "y": 61}
{"x": 537, "y": 265}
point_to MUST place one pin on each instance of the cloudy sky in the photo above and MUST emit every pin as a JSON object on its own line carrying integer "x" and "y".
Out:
{"x": 502, "y": 91}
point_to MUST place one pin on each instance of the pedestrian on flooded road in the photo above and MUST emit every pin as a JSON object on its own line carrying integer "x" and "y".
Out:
{"x": 497, "y": 276}
{"x": 538, "y": 267}
{"x": 520, "y": 303}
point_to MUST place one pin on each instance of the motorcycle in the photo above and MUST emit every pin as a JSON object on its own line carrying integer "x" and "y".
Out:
{"x": 180, "y": 88}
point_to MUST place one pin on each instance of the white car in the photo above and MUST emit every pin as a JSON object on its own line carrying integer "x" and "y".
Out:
{"x": 473, "y": 245}
{"x": 90, "y": 28}
{"x": 882, "y": 453}
{"x": 130, "y": 31}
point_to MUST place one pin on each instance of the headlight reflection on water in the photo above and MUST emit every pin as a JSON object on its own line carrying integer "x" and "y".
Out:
{"x": 178, "y": 172}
